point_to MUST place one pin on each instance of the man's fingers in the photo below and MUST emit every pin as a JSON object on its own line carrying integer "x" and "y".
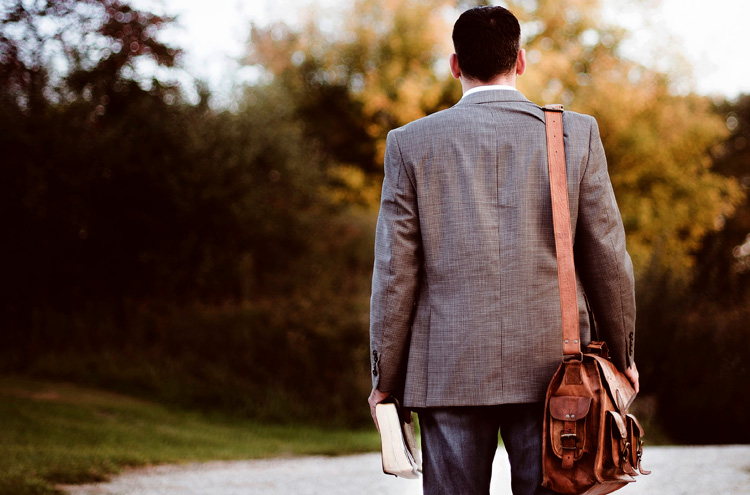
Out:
{"x": 372, "y": 411}
{"x": 632, "y": 374}
{"x": 375, "y": 398}
{"x": 374, "y": 417}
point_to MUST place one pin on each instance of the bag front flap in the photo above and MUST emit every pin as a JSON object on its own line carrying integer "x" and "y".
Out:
{"x": 619, "y": 422}
{"x": 618, "y": 385}
{"x": 633, "y": 421}
{"x": 569, "y": 408}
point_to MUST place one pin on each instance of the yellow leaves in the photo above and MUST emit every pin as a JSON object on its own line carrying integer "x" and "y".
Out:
{"x": 660, "y": 170}
{"x": 349, "y": 185}
{"x": 400, "y": 55}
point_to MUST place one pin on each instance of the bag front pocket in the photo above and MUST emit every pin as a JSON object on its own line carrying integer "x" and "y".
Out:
{"x": 620, "y": 446}
{"x": 568, "y": 427}
{"x": 635, "y": 432}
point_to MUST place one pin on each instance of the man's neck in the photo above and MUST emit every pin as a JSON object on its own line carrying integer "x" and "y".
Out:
{"x": 504, "y": 80}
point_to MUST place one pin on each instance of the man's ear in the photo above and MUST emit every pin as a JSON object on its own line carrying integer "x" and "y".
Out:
{"x": 455, "y": 69}
{"x": 521, "y": 62}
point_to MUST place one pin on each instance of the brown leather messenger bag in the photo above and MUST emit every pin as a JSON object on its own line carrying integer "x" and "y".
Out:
{"x": 592, "y": 445}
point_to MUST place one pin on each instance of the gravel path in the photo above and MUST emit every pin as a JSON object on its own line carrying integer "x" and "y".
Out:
{"x": 676, "y": 471}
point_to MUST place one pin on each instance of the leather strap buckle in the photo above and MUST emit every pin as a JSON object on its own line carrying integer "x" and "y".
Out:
{"x": 573, "y": 357}
{"x": 568, "y": 441}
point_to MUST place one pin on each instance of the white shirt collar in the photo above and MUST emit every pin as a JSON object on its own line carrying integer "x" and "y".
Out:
{"x": 488, "y": 87}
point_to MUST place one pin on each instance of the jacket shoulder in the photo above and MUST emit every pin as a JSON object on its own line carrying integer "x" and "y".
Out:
{"x": 578, "y": 121}
{"x": 431, "y": 121}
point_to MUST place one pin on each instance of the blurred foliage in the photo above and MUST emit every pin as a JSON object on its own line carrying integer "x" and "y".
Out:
{"x": 222, "y": 259}
{"x": 723, "y": 268}
{"x": 153, "y": 244}
{"x": 697, "y": 358}
{"x": 77, "y": 148}
{"x": 379, "y": 66}
{"x": 95, "y": 45}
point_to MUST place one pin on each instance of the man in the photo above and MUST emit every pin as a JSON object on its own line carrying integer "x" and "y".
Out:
{"x": 465, "y": 310}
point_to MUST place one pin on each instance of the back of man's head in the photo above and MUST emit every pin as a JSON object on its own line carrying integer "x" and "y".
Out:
{"x": 486, "y": 40}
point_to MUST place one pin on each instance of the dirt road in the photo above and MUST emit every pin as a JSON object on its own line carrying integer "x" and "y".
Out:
{"x": 676, "y": 471}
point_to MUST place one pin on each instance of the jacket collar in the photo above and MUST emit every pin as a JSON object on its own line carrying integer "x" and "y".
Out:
{"x": 492, "y": 95}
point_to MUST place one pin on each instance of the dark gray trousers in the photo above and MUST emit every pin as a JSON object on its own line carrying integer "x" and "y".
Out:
{"x": 459, "y": 444}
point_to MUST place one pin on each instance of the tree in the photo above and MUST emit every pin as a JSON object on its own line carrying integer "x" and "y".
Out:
{"x": 353, "y": 82}
{"x": 68, "y": 83}
{"x": 69, "y": 50}
{"x": 723, "y": 269}
{"x": 710, "y": 323}
{"x": 164, "y": 247}
{"x": 135, "y": 192}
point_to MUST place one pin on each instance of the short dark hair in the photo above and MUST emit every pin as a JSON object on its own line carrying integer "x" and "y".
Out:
{"x": 486, "y": 40}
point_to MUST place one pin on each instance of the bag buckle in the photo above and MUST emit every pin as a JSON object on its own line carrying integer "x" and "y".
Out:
{"x": 626, "y": 451}
{"x": 568, "y": 441}
{"x": 573, "y": 357}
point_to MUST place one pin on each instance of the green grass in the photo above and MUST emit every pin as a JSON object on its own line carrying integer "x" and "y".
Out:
{"x": 54, "y": 433}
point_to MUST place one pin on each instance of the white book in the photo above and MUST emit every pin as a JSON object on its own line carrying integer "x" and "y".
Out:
{"x": 398, "y": 442}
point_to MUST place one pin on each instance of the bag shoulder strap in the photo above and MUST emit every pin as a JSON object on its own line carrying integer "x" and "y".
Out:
{"x": 566, "y": 274}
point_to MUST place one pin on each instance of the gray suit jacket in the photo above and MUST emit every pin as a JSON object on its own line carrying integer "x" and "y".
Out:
{"x": 465, "y": 306}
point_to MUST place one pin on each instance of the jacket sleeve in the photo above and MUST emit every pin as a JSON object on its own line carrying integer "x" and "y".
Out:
{"x": 395, "y": 281}
{"x": 602, "y": 261}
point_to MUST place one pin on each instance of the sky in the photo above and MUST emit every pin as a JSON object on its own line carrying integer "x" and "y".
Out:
{"x": 710, "y": 36}
{"x": 706, "y": 34}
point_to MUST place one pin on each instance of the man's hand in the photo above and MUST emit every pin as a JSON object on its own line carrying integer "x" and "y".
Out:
{"x": 376, "y": 397}
{"x": 632, "y": 374}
